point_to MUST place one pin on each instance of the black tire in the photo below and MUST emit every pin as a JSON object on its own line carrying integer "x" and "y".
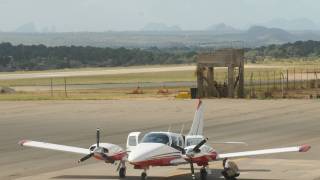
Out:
{"x": 122, "y": 172}
{"x": 226, "y": 176}
{"x": 203, "y": 174}
{"x": 143, "y": 176}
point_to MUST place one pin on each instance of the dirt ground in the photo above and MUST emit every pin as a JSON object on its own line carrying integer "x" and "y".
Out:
{"x": 260, "y": 123}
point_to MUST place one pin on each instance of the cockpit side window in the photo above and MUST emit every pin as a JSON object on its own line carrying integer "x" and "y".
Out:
{"x": 132, "y": 141}
{"x": 175, "y": 140}
{"x": 180, "y": 141}
{"x": 156, "y": 138}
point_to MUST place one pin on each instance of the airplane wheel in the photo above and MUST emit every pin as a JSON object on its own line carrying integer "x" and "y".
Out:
{"x": 227, "y": 177}
{"x": 203, "y": 174}
{"x": 143, "y": 176}
{"x": 122, "y": 172}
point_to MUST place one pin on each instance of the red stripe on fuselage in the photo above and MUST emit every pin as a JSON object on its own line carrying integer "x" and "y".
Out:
{"x": 116, "y": 157}
{"x": 164, "y": 161}
{"x": 204, "y": 160}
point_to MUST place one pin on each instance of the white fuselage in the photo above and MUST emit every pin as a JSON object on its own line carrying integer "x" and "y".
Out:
{"x": 155, "y": 149}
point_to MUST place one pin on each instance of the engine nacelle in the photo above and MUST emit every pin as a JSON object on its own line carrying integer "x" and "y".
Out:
{"x": 113, "y": 151}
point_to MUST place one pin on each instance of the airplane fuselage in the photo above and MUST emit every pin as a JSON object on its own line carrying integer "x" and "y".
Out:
{"x": 157, "y": 149}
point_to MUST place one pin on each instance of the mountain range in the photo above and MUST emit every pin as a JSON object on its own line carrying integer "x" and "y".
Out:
{"x": 162, "y": 36}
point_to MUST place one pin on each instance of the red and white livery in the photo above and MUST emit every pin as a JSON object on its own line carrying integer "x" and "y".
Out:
{"x": 164, "y": 149}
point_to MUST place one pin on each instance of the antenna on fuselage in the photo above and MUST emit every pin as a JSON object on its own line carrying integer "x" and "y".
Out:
{"x": 182, "y": 129}
{"x": 169, "y": 129}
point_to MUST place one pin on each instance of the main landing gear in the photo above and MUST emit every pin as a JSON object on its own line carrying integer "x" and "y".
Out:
{"x": 144, "y": 175}
{"x": 230, "y": 170}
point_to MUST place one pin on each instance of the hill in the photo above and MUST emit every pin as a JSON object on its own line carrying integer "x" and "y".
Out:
{"x": 165, "y": 38}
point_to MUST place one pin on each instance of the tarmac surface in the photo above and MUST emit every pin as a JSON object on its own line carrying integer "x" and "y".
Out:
{"x": 260, "y": 123}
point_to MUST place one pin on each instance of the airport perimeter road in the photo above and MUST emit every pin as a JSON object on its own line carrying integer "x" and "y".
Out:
{"x": 260, "y": 123}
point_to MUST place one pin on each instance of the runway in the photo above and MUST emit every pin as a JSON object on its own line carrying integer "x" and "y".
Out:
{"x": 107, "y": 71}
{"x": 260, "y": 123}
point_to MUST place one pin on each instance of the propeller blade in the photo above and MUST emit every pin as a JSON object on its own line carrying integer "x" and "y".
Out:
{"x": 182, "y": 150}
{"x": 197, "y": 147}
{"x": 85, "y": 157}
{"x": 98, "y": 137}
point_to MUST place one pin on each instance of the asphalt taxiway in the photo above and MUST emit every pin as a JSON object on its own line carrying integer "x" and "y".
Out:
{"x": 260, "y": 123}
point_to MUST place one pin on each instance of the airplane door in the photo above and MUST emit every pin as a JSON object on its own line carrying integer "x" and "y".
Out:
{"x": 132, "y": 140}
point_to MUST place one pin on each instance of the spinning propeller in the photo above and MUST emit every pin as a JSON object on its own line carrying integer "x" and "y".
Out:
{"x": 190, "y": 153}
{"x": 99, "y": 151}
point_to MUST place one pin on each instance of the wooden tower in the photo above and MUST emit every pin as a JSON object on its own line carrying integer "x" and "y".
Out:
{"x": 230, "y": 58}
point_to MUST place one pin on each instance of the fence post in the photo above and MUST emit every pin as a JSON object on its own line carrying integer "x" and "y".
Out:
{"x": 51, "y": 87}
{"x": 65, "y": 87}
{"x": 316, "y": 79}
{"x": 301, "y": 80}
{"x": 274, "y": 79}
{"x": 268, "y": 81}
{"x": 287, "y": 79}
{"x": 251, "y": 85}
{"x": 294, "y": 78}
{"x": 282, "y": 82}
{"x": 260, "y": 88}
{"x": 307, "y": 79}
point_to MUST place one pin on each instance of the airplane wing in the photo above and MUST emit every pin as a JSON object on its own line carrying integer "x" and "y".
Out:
{"x": 303, "y": 148}
{"x": 56, "y": 147}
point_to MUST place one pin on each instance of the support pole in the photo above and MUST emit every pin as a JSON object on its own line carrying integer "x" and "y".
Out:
{"x": 210, "y": 81}
{"x": 230, "y": 81}
{"x": 241, "y": 80}
{"x": 287, "y": 79}
{"x": 301, "y": 80}
{"x": 268, "y": 81}
{"x": 51, "y": 86}
{"x": 274, "y": 79}
{"x": 65, "y": 87}
{"x": 251, "y": 86}
{"x": 200, "y": 81}
{"x": 316, "y": 79}
{"x": 282, "y": 82}
{"x": 307, "y": 82}
{"x": 294, "y": 78}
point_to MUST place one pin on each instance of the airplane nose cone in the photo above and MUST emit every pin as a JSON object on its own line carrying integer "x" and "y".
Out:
{"x": 145, "y": 151}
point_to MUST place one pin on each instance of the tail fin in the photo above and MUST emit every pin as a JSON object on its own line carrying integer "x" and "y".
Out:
{"x": 197, "y": 124}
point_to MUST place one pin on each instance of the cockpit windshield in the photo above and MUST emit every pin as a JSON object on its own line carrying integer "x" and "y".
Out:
{"x": 156, "y": 138}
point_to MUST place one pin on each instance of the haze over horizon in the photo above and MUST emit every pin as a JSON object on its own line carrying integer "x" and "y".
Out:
{"x": 126, "y": 15}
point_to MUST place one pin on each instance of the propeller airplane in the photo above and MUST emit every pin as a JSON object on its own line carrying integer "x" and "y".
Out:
{"x": 164, "y": 149}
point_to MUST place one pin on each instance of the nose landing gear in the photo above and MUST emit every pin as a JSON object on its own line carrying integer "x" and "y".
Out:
{"x": 203, "y": 173}
{"x": 122, "y": 169}
{"x": 122, "y": 172}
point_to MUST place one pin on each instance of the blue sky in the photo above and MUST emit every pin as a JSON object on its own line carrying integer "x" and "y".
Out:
{"x": 103, "y": 15}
